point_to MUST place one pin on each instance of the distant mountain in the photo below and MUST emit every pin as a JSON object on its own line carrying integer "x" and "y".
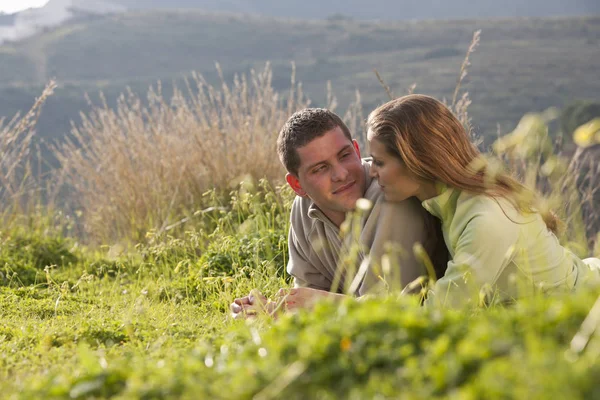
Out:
{"x": 27, "y": 23}
{"x": 7, "y": 19}
{"x": 383, "y": 9}
{"x": 55, "y": 12}
{"x": 522, "y": 64}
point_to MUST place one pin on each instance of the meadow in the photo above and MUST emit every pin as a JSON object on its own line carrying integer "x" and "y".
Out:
{"x": 177, "y": 206}
{"x": 153, "y": 324}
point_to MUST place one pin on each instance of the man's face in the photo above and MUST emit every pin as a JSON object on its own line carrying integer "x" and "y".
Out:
{"x": 331, "y": 174}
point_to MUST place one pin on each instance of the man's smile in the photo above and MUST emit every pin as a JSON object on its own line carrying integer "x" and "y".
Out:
{"x": 344, "y": 188}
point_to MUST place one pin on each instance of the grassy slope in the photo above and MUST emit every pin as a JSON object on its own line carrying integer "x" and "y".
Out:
{"x": 522, "y": 64}
{"x": 156, "y": 325}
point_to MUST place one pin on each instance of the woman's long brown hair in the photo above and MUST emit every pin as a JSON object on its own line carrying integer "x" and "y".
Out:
{"x": 433, "y": 144}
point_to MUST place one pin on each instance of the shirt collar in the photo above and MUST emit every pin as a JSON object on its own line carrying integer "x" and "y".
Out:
{"x": 438, "y": 205}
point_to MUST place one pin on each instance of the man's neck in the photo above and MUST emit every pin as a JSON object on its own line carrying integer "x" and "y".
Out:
{"x": 336, "y": 217}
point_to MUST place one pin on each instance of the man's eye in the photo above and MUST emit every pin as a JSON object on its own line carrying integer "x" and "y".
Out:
{"x": 319, "y": 169}
{"x": 345, "y": 155}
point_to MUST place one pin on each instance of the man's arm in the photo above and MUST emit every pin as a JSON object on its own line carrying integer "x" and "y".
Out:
{"x": 305, "y": 274}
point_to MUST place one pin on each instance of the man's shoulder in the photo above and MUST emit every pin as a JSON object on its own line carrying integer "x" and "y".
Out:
{"x": 301, "y": 205}
{"x": 299, "y": 215}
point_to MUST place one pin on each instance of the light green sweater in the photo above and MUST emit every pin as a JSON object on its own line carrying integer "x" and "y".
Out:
{"x": 495, "y": 249}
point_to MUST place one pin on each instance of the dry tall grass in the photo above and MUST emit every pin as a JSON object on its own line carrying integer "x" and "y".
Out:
{"x": 568, "y": 183}
{"x": 149, "y": 161}
{"x": 584, "y": 171}
{"x": 20, "y": 163}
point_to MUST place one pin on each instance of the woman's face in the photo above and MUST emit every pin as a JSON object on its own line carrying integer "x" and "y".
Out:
{"x": 396, "y": 182}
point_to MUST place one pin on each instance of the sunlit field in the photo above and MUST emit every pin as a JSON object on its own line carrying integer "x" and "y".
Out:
{"x": 118, "y": 267}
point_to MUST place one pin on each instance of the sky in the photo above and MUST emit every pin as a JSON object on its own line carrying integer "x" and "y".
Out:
{"x": 11, "y": 6}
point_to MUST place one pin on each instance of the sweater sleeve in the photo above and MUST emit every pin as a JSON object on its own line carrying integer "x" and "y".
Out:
{"x": 305, "y": 274}
{"x": 483, "y": 249}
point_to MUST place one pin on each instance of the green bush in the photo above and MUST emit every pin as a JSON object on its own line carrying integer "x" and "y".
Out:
{"x": 245, "y": 251}
{"x": 24, "y": 256}
{"x": 235, "y": 237}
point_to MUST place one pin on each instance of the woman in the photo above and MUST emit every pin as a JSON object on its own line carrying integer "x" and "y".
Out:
{"x": 497, "y": 240}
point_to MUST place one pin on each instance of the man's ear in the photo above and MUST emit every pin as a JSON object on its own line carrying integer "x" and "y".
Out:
{"x": 356, "y": 147}
{"x": 294, "y": 183}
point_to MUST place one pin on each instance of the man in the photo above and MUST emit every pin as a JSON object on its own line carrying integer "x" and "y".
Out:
{"x": 325, "y": 170}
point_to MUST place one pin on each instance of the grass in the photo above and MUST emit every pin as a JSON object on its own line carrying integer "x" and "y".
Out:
{"x": 61, "y": 302}
{"x": 140, "y": 328}
{"x": 153, "y": 323}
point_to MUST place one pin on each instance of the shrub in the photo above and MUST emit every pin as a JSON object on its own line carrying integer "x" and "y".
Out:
{"x": 25, "y": 256}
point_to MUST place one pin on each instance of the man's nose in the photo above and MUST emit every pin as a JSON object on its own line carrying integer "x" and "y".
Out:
{"x": 340, "y": 173}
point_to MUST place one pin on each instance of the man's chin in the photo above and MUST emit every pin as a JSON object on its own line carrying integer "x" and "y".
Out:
{"x": 350, "y": 203}
{"x": 349, "y": 197}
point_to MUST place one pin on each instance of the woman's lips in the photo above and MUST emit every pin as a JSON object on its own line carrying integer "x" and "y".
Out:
{"x": 344, "y": 188}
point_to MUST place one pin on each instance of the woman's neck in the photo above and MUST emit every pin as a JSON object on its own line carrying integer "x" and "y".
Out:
{"x": 427, "y": 191}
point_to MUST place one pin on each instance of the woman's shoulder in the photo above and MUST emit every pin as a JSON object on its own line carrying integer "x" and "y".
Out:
{"x": 484, "y": 221}
{"x": 486, "y": 204}
{"x": 459, "y": 209}
{"x": 482, "y": 209}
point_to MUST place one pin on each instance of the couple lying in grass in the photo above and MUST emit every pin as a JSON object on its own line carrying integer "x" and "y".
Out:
{"x": 427, "y": 188}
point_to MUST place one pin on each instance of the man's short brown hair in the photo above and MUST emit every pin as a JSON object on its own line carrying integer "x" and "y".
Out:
{"x": 302, "y": 128}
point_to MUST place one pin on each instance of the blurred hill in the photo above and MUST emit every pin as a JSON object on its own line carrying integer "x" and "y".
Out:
{"x": 28, "y": 22}
{"x": 522, "y": 64}
{"x": 382, "y": 9}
